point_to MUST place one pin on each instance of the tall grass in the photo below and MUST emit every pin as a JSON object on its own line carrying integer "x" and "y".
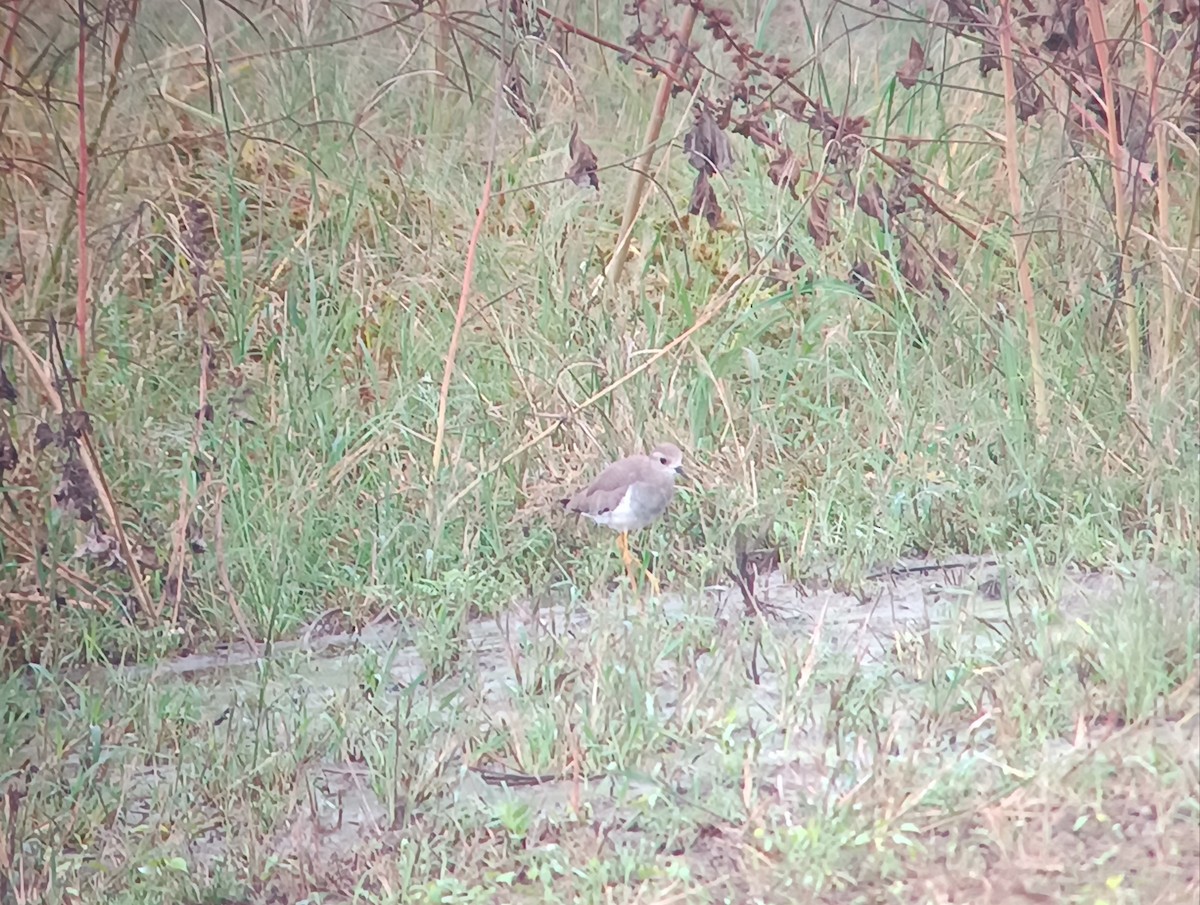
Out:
{"x": 340, "y": 190}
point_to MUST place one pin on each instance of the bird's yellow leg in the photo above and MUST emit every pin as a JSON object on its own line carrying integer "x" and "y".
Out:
{"x": 629, "y": 560}
{"x": 626, "y": 557}
{"x": 653, "y": 582}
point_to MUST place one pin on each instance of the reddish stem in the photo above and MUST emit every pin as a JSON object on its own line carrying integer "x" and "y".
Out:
{"x": 459, "y": 316}
{"x": 14, "y": 18}
{"x": 81, "y": 297}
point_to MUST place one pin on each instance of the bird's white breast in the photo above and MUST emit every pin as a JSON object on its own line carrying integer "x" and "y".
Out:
{"x": 621, "y": 517}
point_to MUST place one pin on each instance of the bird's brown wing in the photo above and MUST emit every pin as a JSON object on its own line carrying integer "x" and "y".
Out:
{"x": 606, "y": 492}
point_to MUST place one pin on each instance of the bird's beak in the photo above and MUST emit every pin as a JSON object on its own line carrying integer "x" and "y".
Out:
{"x": 679, "y": 471}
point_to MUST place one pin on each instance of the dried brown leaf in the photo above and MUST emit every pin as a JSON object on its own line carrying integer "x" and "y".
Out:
{"x": 1135, "y": 125}
{"x": 521, "y": 21}
{"x": 44, "y": 435}
{"x": 911, "y": 69}
{"x": 196, "y": 232}
{"x": 704, "y": 201}
{"x": 195, "y": 537}
{"x": 1063, "y": 32}
{"x": 786, "y": 263}
{"x": 1030, "y": 99}
{"x": 818, "y": 222}
{"x": 8, "y": 392}
{"x": 903, "y": 186}
{"x": 785, "y": 170}
{"x": 862, "y": 278}
{"x": 872, "y": 203}
{"x": 911, "y": 266}
{"x": 75, "y": 492}
{"x": 514, "y": 96}
{"x": 706, "y": 145}
{"x": 989, "y": 60}
{"x": 964, "y": 17}
{"x": 8, "y": 452}
{"x": 76, "y": 424}
{"x": 582, "y": 170}
{"x": 1183, "y": 12}
{"x": 947, "y": 261}
{"x": 842, "y": 135}
{"x": 101, "y": 547}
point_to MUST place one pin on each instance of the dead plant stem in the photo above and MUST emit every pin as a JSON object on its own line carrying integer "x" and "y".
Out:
{"x": 91, "y": 461}
{"x": 1164, "y": 353}
{"x": 81, "y": 193}
{"x": 1116, "y": 154}
{"x": 637, "y": 178}
{"x": 468, "y": 267}
{"x": 1021, "y": 239}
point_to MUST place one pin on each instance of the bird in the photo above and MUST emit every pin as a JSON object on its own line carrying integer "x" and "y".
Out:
{"x": 630, "y": 494}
